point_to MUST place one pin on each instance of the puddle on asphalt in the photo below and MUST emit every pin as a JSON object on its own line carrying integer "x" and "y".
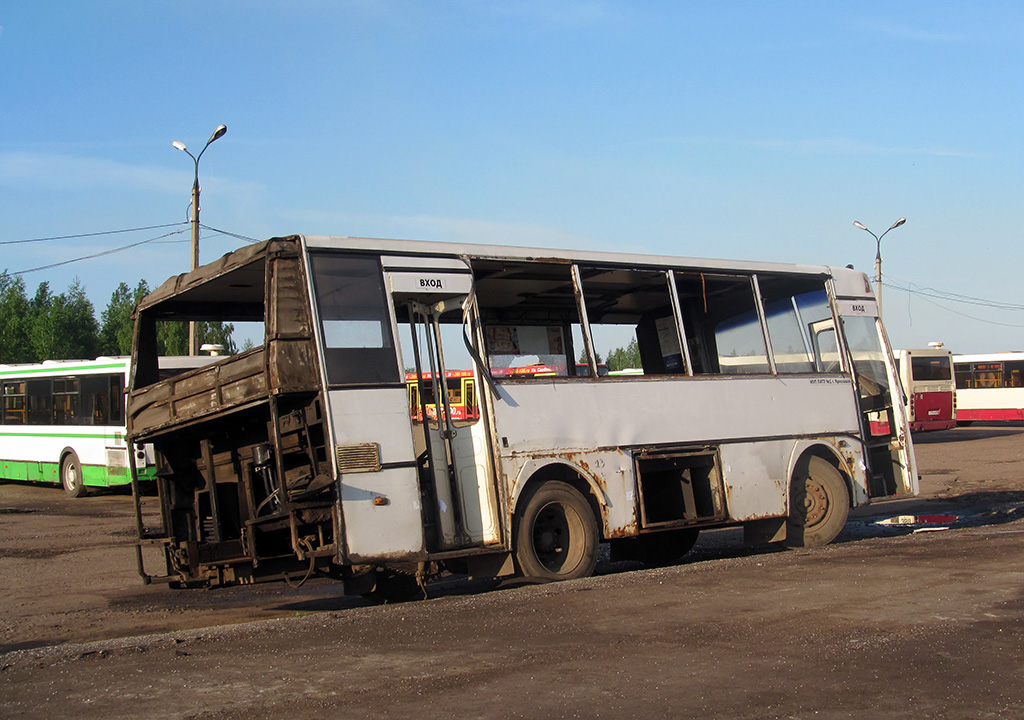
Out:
{"x": 920, "y": 523}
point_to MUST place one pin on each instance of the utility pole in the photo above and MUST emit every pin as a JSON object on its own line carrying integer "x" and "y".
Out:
{"x": 193, "y": 330}
{"x": 878, "y": 257}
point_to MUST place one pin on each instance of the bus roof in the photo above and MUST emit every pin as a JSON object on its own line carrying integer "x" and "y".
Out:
{"x": 97, "y": 366}
{"x": 57, "y": 367}
{"x": 421, "y": 247}
{"x": 247, "y": 281}
{"x": 990, "y": 357}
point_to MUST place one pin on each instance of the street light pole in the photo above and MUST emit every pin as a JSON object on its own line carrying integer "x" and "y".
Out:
{"x": 878, "y": 257}
{"x": 193, "y": 331}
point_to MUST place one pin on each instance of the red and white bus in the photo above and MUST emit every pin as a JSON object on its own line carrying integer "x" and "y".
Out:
{"x": 989, "y": 386}
{"x": 927, "y": 378}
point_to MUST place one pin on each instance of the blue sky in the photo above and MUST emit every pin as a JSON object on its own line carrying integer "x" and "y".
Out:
{"x": 743, "y": 130}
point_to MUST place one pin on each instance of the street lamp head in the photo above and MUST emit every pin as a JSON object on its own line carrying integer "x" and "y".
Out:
{"x": 179, "y": 145}
{"x": 218, "y": 133}
{"x": 857, "y": 224}
{"x": 898, "y": 223}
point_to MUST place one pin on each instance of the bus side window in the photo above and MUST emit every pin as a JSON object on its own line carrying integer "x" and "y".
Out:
{"x": 65, "y": 401}
{"x": 712, "y": 307}
{"x": 792, "y": 304}
{"x": 625, "y": 305}
{"x": 720, "y": 312}
{"x": 1013, "y": 372}
{"x": 14, "y": 403}
{"x": 964, "y": 378}
{"x": 95, "y": 398}
{"x": 531, "y": 322}
{"x": 39, "y": 397}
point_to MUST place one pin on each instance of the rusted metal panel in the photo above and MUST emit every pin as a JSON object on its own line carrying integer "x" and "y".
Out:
{"x": 289, "y": 316}
{"x": 608, "y": 472}
{"x": 245, "y": 257}
{"x": 358, "y": 457}
{"x": 293, "y": 366}
{"x": 200, "y": 393}
{"x": 756, "y": 478}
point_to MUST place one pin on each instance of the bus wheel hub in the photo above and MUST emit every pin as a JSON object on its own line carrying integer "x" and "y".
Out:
{"x": 815, "y": 503}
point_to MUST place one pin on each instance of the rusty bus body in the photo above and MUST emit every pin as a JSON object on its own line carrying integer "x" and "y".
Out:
{"x": 300, "y": 457}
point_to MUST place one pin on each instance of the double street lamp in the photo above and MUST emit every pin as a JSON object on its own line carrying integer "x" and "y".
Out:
{"x": 193, "y": 334}
{"x": 878, "y": 257}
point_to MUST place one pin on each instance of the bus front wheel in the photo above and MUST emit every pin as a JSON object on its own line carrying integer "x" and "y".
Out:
{"x": 818, "y": 504}
{"x": 71, "y": 476}
{"x": 556, "y": 534}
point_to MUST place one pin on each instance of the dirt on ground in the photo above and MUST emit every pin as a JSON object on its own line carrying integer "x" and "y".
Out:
{"x": 901, "y": 618}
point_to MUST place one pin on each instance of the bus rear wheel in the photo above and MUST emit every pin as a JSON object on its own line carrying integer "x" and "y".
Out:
{"x": 71, "y": 476}
{"x": 818, "y": 504}
{"x": 556, "y": 535}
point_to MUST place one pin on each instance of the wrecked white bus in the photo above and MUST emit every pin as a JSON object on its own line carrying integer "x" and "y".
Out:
{"x": 300, "y": 456}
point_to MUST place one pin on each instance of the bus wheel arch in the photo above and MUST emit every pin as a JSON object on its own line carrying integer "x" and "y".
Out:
{"x": 71, "y": 477}
{"x": 556, "y": 530}
{"x": 819, "y": 499}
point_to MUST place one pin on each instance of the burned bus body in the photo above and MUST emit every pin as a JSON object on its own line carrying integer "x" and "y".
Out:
{"x": 300, "y": 456}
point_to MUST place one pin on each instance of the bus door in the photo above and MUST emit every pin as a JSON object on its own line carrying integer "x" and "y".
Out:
{"x": 890, "y": 454}
{"x": 452, "y": 447}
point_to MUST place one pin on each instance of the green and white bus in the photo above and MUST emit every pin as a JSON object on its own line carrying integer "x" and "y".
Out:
{"x": 63, "y": 421}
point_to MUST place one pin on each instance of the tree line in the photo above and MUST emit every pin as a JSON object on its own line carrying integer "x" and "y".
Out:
{"x": 620, "y": 358}
{"x": 48, "y": 326}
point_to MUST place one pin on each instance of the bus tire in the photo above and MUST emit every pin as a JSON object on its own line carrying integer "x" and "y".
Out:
{"x": 71, "y": 476}
{"x": 819, "y": 504}
{"x": 556, "y": 534}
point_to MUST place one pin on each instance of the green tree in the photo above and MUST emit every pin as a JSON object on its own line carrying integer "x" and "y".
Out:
{"x": 623, "y": 358}
{"x": 14, "y": 320}
{"x": 40, "y": 325}
{"x": 116, "y": 327}
{"x": 62, "y": 326}
{"x": 583, "y": 357}
{"x": 80, "y": 329}
{"x": 218, "y": 333}
{"x": 172, "y": 336}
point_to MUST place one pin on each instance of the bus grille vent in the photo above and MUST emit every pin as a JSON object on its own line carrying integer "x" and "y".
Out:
{"x": 360, "y": 457}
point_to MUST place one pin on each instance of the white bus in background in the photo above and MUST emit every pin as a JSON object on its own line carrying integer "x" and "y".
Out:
{"x": 927, "y": 378}
{"x": 63, "y": 422}
{"x": 989, "y": 386}
{"x": 301, "y": 456}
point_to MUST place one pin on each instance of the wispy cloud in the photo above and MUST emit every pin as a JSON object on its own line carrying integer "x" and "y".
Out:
{"x": 562, "y": 14}
{"x": 72, "y": 171}
{"x": 900, "y": 31}
{"x": 806, "y": 146}
{"x": 847, "y": 146}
